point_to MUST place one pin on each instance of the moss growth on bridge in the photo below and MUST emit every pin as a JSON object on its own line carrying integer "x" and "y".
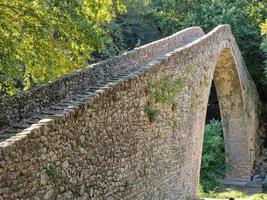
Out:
{"x": 163, "y": 91}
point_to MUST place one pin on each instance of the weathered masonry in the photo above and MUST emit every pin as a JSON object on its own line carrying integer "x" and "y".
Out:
{"x": 130, "y": 127}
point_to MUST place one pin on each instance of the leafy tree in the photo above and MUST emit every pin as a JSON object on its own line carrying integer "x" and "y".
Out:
{"x": 44, "y": 39}
{"x": 139, "y": 25}
{"x": 244, "y": 16}
{"x": 172, "y": 13}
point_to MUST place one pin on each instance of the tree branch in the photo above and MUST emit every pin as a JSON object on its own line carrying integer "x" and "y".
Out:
{"x": 14, "y": 9}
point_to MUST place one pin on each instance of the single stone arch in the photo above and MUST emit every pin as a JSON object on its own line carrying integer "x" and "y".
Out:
{"x": 239, "y": 153}
{"x": 239, "y": 108}
{"x": 101, "y": 118}
{"x": 237, "y": 99}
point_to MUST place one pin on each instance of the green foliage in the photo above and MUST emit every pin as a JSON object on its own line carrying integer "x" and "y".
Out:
{"x": 147, "y": 20}
{"x": 213, "y": 157}
{"x": 225, "y": 195}
{"x": 172, "y": 13}
{"x": 128, "y": 184}
{"x": 264, "y": 49}
{"x": 162, "y": 91}
{"x": 139, "y": 25}
{"x": 244, "y": 16}
{"x": 236, "y": 13}
{"x": 52, "y": 171}
{"x": 228, "y": 193}
{"x": 264, "y": 187}
{"x": 44, "y": 39}
{"x": 165, "y": 90}
{"x": 259, "y": 110}
{"x": 115, "y": 43}
{"x": 259, "y": 197}
{"x": 264, "y": 44}
{"x": 152, "y": 112}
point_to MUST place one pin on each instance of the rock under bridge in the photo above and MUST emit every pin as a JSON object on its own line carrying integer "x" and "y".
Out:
{"x": 130, "y": 127}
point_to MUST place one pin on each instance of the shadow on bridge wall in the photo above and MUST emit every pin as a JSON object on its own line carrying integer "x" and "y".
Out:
{"x": 137, "y": 133}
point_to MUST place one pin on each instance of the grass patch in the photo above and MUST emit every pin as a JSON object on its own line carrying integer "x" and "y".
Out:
{"x": 224, "y": 195}
{"x": 52, "y": 171}
{"x": 162, "y": 91}
{"x": 231, "y": 193}
{"x": 152, "y": 112}
{"x": 165, "y": 90}
{"x": 128, "y": 184}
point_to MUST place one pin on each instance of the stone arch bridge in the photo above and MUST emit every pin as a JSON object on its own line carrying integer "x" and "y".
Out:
{"x": 130, "y": 127}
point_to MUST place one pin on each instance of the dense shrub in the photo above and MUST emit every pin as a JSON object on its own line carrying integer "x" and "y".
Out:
{"x": 213, "y": 157}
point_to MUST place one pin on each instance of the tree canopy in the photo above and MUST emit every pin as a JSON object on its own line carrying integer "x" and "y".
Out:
{"x": 44, "y": 39}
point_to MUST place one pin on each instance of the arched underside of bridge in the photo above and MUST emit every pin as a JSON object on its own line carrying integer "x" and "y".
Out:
{"x": 130, "y": 127}
{"x": 238, "y": 131}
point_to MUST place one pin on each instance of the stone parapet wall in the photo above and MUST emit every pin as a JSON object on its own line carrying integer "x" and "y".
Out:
{"x": 40, "y": 98}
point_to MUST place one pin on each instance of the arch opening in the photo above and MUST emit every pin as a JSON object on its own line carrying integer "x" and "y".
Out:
{"x": 213, "y": 109}
{"x": 239, "y": 154}
{"x": 226, "y": 105}
{"x": 213, "y": 167}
